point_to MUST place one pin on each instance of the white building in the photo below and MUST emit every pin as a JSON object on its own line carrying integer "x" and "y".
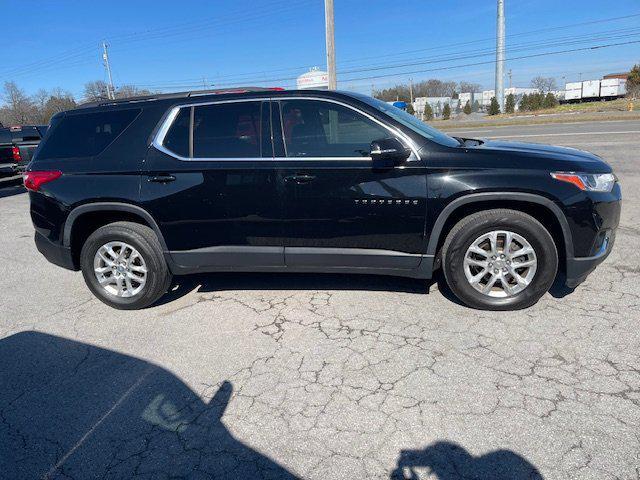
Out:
{"x": 313, "y": 79}
{"x": 437, "y": 104}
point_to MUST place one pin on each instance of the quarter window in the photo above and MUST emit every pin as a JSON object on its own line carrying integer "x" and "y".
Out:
{"x": 177, "y": 138}
{"x": 227, "y": 130}
{"x": 314, "y": 128}
{"x": 85, "y": 135}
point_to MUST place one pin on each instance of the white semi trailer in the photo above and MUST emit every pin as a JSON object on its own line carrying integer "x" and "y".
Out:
{"x": 590, "y": 90}
{"x": 613, "y": 88}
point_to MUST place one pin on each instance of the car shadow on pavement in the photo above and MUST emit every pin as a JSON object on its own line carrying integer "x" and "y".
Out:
{"x": 73, "y": 410}
{"x": 9, "y": 188}
{"x": 450, "y": 461}
{"x": 217, "y": 282}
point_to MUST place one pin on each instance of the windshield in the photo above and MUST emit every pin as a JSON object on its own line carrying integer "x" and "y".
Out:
{"x": 409, "y": 121}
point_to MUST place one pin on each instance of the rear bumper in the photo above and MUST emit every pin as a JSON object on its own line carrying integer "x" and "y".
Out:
{"x": 579, "y": 268}
{"x": 55, "y": 253}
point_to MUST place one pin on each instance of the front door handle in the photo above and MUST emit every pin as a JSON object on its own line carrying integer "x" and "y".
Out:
{"x": 300, "y": 178}
{"x": 162, "y": 178}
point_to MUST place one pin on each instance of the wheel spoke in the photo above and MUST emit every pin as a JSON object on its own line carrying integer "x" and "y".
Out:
{"x": 508, "y": 239}
{"x": 493, "y": 240}
{"x": 526, "y": 263}
{"x": 521, "y": 252}
{"x": 479, "y": 251}
{"x": 489, "y": 285}
{"x": 476, "y": 278}
{"x": 104, "y": 281}
{"x": 478, "y": 263}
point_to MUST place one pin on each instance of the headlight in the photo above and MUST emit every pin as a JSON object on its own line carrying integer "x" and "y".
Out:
{"x": 590, "y": 182}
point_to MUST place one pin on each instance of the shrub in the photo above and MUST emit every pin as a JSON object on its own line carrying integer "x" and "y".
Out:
{"x": 494, "y": 108}
{"x": 428, "y": 112}
{"x": 550, "y": 101}
{"x": 510, "y": 104}
{"x": 446, "y": 112}
{"x": 467, "y": 108}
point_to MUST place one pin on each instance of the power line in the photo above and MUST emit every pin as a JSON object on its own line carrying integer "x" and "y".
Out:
{"x": 405, "y": 65}
{"x": 251, "y": 76}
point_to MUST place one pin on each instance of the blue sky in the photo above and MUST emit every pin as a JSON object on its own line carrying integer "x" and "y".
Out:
{"x": 168, "y": 45}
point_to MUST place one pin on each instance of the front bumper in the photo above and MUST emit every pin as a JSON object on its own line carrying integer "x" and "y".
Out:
{"x": 578, "y": 268}
{"x": 55, "y": 253}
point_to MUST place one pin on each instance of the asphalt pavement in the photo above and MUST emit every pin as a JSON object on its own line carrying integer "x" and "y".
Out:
{"x": 324, "y": 376}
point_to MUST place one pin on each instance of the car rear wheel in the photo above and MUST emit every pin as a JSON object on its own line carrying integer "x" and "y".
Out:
{"x": 499, "y": 260}
{"x": 123, "y": 265}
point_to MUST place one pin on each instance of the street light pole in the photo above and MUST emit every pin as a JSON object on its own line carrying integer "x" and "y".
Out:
{"x": 330, "y": 39}
{"x": 500, "y": 56}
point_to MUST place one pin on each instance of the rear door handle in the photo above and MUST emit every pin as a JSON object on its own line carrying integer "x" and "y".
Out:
{"x": 300, "y": 178}
{"x": 162, "y": 178}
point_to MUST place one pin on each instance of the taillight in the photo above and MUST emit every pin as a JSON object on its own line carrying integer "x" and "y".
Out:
{"x": 34, "y": 180}
{"x": 15, "y": 153}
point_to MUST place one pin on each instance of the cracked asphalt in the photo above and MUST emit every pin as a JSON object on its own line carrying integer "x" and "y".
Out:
{"x": 324, "y": 376}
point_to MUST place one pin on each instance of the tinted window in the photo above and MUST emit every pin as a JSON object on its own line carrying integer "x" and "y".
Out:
{"x": 321, "y": 129}
{"x": 227, "y": 130}
{"x": 5, "y": 135}
{"x": 177, "y": 138}
{"x": 85, "y": 135}
{"x": 409, "y": 121}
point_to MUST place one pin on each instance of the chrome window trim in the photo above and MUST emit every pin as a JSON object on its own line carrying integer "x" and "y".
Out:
{"x": 173, "y": 113}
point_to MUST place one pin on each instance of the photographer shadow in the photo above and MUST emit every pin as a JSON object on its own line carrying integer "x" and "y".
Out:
{"x": 73, "y": 410}
{"x": 450, "y": 461}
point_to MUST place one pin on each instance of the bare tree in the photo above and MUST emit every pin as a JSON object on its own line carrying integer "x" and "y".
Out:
{"x": 543, "y": 84}
{"x": 127, "y": 91}
{"x": 95, "y": 91}
{"x": 468, "y": 87}
{"x": 19, "y": 108}
{"x": 59, "y": 101}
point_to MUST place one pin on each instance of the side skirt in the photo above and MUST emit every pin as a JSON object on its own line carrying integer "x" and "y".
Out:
{"x": 300, "y": 260}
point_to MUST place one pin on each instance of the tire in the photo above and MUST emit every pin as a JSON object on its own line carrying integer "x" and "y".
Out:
{"x": 460, "y": 276}
{"x": 139, "y": 239}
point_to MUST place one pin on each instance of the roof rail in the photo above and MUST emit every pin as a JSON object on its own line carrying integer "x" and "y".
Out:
{"x": 192, "y": 93}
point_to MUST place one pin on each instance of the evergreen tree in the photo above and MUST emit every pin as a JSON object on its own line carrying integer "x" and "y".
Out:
{"x": 633, "y": 82}
{"x": 550, "y": 101}
{"x": 476, "y": 106}
{"x": 410, "y": 109}
{"x": 467, "y": 108}
{"x": 446, "y": 112}
{"x": 524, "y": 103}
{"x": 428, "y": 112}
{"x": 494, "y": 108}
{"x": 510, "y": 104}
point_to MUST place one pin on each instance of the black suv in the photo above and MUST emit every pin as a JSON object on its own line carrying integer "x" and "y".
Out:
{"x": 132, "y": 192}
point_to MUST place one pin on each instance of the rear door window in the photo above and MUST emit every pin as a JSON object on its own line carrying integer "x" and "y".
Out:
{"x": 85, "y": 135}
{"x": 228, "y": 130}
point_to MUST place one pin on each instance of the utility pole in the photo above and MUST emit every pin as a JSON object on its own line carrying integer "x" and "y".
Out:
{"x": 509, "y": 78}
{"x": 411, "y": 89}
{"x": 500, "y": 56}
{"x": 105, "y": 56}
{"x": 331, "y": 47}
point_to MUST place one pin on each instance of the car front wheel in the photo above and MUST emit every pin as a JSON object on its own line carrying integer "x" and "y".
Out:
{"x": 499, "y": 260}
{"x": 123, "y": 265}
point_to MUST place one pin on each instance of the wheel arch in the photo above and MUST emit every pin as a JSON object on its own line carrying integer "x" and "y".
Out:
{"x": 86, "y": 218}
{"x": 533, "y": 204}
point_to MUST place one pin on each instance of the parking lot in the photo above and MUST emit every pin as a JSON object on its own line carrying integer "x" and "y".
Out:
{"x": 324, "y": 376}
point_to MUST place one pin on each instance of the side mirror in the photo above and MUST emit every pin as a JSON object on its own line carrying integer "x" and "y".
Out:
{"x": 389, "y": 152}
